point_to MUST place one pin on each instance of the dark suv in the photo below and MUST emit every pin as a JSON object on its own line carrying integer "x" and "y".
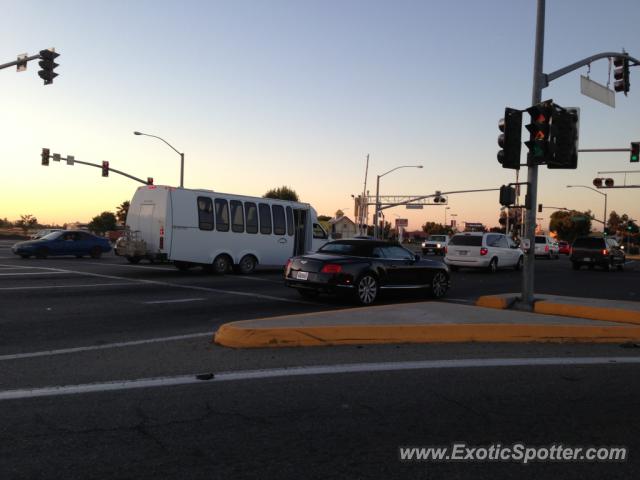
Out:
{"x": 591, "y": 251}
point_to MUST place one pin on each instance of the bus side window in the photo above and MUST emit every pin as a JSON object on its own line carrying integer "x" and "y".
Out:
{"x": 251, "y": 213}
{"x": 290, "y": 221}
{"x": 279, "y": 224}
{"x": 222, "y": 215}
{"x": 265, "y": 218}
{"x": 205, "y": 213}
{"x": 318, "y": 231}
{"x": 237, "y": 218}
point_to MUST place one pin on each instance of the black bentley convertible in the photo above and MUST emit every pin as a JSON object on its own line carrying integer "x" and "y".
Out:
{"x": 363, "y": 268}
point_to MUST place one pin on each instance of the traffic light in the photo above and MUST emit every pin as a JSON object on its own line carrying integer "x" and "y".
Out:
{"x": 47, "y": 64}
{"x": 149, "y": 180}
{"x": 45, "y": 157}
{"x": 539, "y": 208}
{"x": 510, "y": 140}
{"x": 621, "y": 74}
{"x": 539, "y": 145}
{"x": 597, "y": 182}
{"x": 608, "y": 182}
{"x": 507, "y": 195}
{"x": 635, "y": 152}
{"x": 564, "y": 138}
{"x": 105, "y": 168}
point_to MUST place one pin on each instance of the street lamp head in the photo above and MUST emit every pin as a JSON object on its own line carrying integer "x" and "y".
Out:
{"x": 137, "y": 133}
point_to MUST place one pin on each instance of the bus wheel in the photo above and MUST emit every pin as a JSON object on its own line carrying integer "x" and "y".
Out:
{"x": 221, "y": 264}
{"x": 247, "y": 264}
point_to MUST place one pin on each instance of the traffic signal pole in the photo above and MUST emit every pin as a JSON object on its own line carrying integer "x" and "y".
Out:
{"x": 526, "y": 299}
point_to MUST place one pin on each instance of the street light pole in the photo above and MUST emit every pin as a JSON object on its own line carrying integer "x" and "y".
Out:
{"x": 174, "y": 149}
{"x": 376, "y": 230}
{"x": 604, "y": 218}
{"x": 445, "y": 215}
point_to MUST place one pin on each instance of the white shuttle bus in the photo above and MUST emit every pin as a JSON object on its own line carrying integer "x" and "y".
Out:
{"x": 220, "y": 231}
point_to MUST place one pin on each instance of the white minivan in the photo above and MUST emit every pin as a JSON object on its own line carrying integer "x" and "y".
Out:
{"x": 490, "y": 251}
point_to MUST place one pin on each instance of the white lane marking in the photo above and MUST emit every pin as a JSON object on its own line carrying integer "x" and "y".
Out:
{"x": 30, "y": 273}
{"x": 64, "y": 351}
{"x": 457, "y": 300}
{"x": 32, "y": 268}
{"x": 311, "y": 370}
{"x": 91, "y": 285}
{"x": 260, "y": 279}
{"x": 178, "y": 300}
{"x": 145, "y": 267}
{"x": 192, "y": 287}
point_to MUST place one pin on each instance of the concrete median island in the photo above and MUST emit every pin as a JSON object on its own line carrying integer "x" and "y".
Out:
{"x": 422, "y": 322}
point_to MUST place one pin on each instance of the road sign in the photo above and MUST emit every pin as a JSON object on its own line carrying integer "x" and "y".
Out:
{"x": 22, "y": 62}
{"x": 70, "y": 159}
{"x": 402, "y": 222}
{"x": 414, "y": 206}
{"x": 598, "y": 92}
{"x": 578, "y": 218}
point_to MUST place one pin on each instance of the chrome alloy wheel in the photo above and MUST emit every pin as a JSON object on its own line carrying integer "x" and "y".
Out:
{"x": 367, "y": 290}
{"x": 439, "y": 285}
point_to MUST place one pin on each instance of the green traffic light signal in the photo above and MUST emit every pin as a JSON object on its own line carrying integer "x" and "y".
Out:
{"x": 635, "y": 152}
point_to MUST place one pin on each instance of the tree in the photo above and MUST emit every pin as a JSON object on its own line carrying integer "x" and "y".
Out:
{"x": 26, "y": 222}
{"x": 282, "y": 193}
{"x": 433, "y": 228}
{"x": 5, "y": 223}
{"x": 324, "y": 218}
{"x": 102, "y": 223}
{"x": 121, "y": 212}
{"x": 569, "y": 225}
{"x": 339, "y": 213}
{"x": 515, "y": 219}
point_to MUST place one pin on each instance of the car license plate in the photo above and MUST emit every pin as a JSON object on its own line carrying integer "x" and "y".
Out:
{"x": 302, "y": 275}
{"x": 586, "y": 260}
{"x": 462, "y": 252}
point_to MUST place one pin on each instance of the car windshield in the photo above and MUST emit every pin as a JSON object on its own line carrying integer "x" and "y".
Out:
{"x": 467, "y": 240}
{"x": 339, "y": 248}
{"x": 51, "y": 236}
{"x": 437, "y": 238}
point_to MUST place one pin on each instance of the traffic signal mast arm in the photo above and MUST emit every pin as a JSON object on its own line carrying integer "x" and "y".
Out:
{"x": 119, "y": 172}
{"x": 549, "y": 77}
{"x": 395, "y": 201}
{"x": 21, "y": 61}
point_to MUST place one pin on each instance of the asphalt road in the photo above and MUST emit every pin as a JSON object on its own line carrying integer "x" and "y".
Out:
{"x": 79, "y": 325}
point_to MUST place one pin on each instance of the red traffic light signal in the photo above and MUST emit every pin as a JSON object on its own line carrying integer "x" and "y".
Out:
{"x": 45, "y": 157}
{"x": 105, "y": 168}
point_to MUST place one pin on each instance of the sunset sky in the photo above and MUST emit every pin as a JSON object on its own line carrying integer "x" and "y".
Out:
{"x": 260, "y": 94}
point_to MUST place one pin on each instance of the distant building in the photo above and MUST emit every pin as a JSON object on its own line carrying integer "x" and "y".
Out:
{"x": 342, "y": 227}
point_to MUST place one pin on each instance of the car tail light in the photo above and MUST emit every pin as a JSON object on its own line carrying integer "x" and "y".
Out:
{"x": 161, "y": 243}
{"x": 484, "y": 251}
{"x": 546, "y": 248}
{"x": 331, "y": 268}
{"x": 287, "y": 266}
{"x": 446, "y": 250}
{"x": 605, "y": 251}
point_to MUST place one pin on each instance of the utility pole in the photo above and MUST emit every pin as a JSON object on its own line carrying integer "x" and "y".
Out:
{"x": 526, "y": 300}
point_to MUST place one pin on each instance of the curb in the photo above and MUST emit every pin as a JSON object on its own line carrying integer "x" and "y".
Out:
{"x": 619, "y": 315}
{"x": 550, "y": 307}
{"x": 236, "y": 336}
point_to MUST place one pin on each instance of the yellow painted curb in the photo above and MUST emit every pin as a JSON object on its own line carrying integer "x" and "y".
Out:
{"x": 236, "y": 336}
{"x": 492, "y": 301}
{"x": 584, "y": 311}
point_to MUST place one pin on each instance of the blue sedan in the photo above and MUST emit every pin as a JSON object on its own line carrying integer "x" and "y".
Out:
{"x": 66, "y": 242}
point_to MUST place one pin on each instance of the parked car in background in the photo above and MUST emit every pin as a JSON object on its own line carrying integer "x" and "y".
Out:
{"x": 564, "y": 247}
{"x": 546, "y": 247}
{"x": 483, "y": 250}
{"x": 597, "y": 251}
{"x": 44, "y": 232}
{"x": 64, "y": 242}
{"x": 436, "y": 244}
{"x": 363, "y": 268}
